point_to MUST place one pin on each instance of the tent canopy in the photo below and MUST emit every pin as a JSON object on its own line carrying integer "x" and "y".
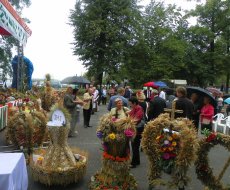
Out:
{"x": 12, "y": 24}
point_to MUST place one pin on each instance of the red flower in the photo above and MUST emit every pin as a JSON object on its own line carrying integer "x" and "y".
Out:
{"x": 211, "y": 137}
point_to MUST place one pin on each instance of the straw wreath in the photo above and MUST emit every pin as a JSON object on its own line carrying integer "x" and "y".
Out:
{"x": 186, "y": 152}
{"x": 203, "y": 170}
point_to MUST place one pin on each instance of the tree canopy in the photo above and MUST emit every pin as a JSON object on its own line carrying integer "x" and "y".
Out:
{"x": 158, "y": 42}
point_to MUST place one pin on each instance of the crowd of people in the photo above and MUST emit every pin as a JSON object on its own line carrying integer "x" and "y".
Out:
{"x": 142, "y": 106}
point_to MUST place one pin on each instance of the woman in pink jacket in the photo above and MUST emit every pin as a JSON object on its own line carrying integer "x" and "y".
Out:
{"x": 207, "y": 113}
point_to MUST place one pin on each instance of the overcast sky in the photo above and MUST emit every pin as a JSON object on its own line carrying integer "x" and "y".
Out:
{"x": 49, "y": 47}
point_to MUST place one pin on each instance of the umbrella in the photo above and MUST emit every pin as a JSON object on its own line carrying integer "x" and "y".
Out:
{"x": 150, "y": 84}
{"x": 161, "y": 84}
{"x": 226, "y": 96}
{"x": 202, "y": 92}
{"x": 75, "y": 80}
{"x": 214, "y": 91}
{"x": 227, "y": 101}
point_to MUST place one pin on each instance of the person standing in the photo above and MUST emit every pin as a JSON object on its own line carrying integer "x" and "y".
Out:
{"x": 104, "y": 96}
{"x": 207, "y": 113}
{"x": 136, "y": 114}
{"x": 148, "y": 93}
{"x": 156, "y": 106}
{"x": 79, "y": 103}
{"x": 141, "y": 100}
{"x": 95, "y": 99}
{"x": 183, "y": 104}
{"x": 87, "y": 106}
{"x": 121, "y": 92}
{"x": 70, "y": 105}
{"x": 220, "y": 101}
{"x": 162, "y": 94}
{"x": 196, "y": 111}
{"x": 128, "y": 92}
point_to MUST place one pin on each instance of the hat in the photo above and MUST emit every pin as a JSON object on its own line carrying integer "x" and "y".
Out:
{"x": 140, "y": 95}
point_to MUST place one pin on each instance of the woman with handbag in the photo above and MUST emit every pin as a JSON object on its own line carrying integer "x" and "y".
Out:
{"x": 206, "y": 115}
{"x": 136, "y": 114}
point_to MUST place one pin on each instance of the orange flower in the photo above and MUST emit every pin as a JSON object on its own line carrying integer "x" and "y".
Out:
{"x": 175, "y": 136}
{"x": 117, "y": 158}
{"x": 170, "y": 148}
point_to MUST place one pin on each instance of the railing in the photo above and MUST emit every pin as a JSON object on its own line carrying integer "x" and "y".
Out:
{"x": 3, "y": 117}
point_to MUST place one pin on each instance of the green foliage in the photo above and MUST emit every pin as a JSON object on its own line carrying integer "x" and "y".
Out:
{"x": 125, "y": 41}
{"x": 102, "y": 31}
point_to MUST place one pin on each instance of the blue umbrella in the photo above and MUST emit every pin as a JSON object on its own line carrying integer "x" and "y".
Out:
{"x": 161, "y": 84}
{"x": 227, "y": 101}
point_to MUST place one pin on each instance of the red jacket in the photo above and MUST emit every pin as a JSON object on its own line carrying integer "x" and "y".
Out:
{"x": 207, "y": 112}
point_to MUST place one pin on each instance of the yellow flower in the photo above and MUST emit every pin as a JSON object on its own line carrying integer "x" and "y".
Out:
{"x": 40, "y": 158}
{"x": 174, "y": 143}
{"x": 112, "y": 136}
{"x": 170, "y": 138}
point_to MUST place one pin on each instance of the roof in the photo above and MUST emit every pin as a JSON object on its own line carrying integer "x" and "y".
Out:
{"x": 75, "y": 80}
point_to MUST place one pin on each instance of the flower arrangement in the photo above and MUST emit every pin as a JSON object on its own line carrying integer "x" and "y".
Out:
{"x": 169, "y": 146}
{"x": 115, "y": 158}
{"x": 203, "y": 170}
{"x": 115, "y": 135}
{"x": 172, "y": 152}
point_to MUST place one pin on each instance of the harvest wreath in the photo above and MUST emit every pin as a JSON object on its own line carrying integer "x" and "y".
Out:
{"x": 171, "y": 147}
{"x": 27, "y": 129}
{"x": 203, "y": 170}
{"x": 115, "y": 135}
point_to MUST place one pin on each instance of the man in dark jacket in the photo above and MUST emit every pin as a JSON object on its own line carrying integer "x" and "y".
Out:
{"x": 156, "y": 106}
{"x": 183, "y": 103}
{"x": 148, "y": 93}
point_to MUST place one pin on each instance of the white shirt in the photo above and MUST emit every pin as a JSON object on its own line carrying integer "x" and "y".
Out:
{"x": 162, "y": 95}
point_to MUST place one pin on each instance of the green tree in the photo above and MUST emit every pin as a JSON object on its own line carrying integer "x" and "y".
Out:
{"x": 103, "y": 29}
{"x": 213, "y": 16}
{"x": 159, "y": 51}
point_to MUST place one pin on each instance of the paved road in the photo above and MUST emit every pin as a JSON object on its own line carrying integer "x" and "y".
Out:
{"x": 88, "y": 141}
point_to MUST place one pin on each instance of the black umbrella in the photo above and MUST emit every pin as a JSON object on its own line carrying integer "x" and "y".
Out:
{"x": 202, "y": 93}
{"x": 75, "y": 80}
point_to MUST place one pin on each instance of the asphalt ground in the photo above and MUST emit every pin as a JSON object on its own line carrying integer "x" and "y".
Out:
{"x": 88, "y": 141}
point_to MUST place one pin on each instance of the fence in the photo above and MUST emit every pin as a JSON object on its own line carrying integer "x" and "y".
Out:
{"x": 3, "y": 117}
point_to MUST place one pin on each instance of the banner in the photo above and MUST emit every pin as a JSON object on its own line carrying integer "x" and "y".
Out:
{"x": 11, "y": 23}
